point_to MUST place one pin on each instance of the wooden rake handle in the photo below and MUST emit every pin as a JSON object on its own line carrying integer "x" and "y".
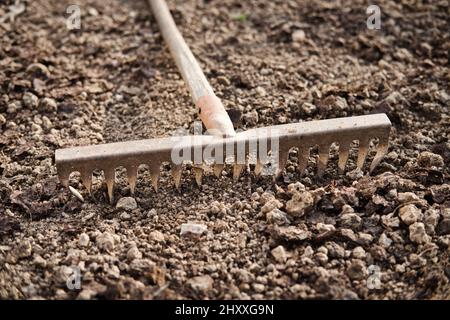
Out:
{"x": 212, "y": 112}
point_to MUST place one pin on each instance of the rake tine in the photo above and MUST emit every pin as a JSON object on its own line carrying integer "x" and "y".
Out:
{"x": 86, "y": 178}
{"x": 303, "y": 159}
{"x": 63, "y": 176}
{"x": 154, "y": 175}
{"x": 282, "y": 160}
{"x": 237, "y": 169}
{"x": 258, "y": 166}
{"x": 176, "y": 174}
{"x": 218, "y": 168}
{"x": 198, "y": 173}
{"x": 344, "y": 148}
{"x": 381, "y": 151}
{"x": 362, "y": 153}
{"x": 109, "y": 178}
{"x": 324, "y": 154}
{"x": 132, "y": 177}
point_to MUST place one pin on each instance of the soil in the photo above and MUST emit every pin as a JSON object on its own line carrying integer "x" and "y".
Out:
{"x": 352, "y": 236}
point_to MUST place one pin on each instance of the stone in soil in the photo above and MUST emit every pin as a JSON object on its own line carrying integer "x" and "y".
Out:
{"x": 428, "y": 159}
{"x": 300, "y": 204}
{"x": 279, "y": 253}
{"x": 134, "y": 253}
{"x": 192, "y": 229}
{"x": 296, "y": 187}
{"x": 156, "y": 236}
{"x": 83, "y": 240}
{"x": 357, "y": 270}
{"x": 417, "y": 233}
{"x": 48, "y": 105}
{"x": 444, "y": 227}
{"x": 251, "y": 118}
{"x": 350, "y": 220}
{"x": 298, "y": 36}
{"x": 105, "y": 241}
{"x": 30, "y": 100}
{"x": 410, "y": 214}
{"x": 201, "y": 284}
{"x": 271, "y": 205}
{"x": 291, "y": 233}
{"x": 24, "y": 249}
{"x": 404, "y": 197}
{"x": 384, "y": 241}
{"x": 276, "y": 216}
{"x": 126, "y": 203}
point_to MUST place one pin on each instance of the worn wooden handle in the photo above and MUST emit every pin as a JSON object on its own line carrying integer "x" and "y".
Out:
{"x": 212, "y": 112}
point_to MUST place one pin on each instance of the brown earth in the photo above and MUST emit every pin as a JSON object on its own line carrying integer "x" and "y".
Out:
{"x": 379, "y": 236}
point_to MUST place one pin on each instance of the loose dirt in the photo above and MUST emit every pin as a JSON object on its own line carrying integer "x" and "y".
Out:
{"x": 356, "y": 236}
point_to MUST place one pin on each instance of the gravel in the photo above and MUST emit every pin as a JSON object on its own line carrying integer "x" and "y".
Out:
{"x": 105, "y": 241}
{"x": 30, "y": 100}
{"x": 201, "y": 284}
{"x": 279, "y": 253}
{"x": 357, "y": 270}
{"x": 83, "y": 240}
{"x": 417, "y": 233}
{"x": 300, "y": 204}
{"x": 410, "y": 214}
{"x": 428, "y": 159}
{"x": 276, "y": 216}
{"x": 192, "y": 229}
{"x": 126, "y": 203}
{"x": 134, "y": 253}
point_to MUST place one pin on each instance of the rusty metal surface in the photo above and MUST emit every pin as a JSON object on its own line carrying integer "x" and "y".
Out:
{"x": 153, "y": 152}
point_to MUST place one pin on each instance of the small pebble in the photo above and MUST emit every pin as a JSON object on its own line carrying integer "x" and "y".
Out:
{"x": 258, "y": 287}
{"x": 355, "y": 174}
{"x": 24, "y": 249}
{"x": 261, "y": 91}
{"x": 410, "y": 214}
{"x": 251, "y": 118}
{"x": 30, "y": 100}
{"x": 404, "y": 197}
{"x": 279, "y": 253}
{"x": 384, "y": 241}
{"x": 298, "y": 36}
{"x": 83, "y": 240}
{"x": 428, "y": 160}
{"x": 156, "y": 236}
{"x": 359, "y": 253}
{"x": 134, "y": 253}
{"x": 278, "y": 217}
{"x": 223, "y": 80}
{"x": 350, "y": 220}
{"x": 126, "y": 203}
{"x": 48, "y": 105}
{"x": 192, "y": 229}
{"x": 357, "y": 270}
{"x": 301, "y": 203}
{"x": 125, "y": 216}
{"x": 105, "y": 241}
{"x": 76, "y": 193}
{"x": 201, "y": 284}
{"x": 271, "y": 205}
{"x": 417, "y": 233}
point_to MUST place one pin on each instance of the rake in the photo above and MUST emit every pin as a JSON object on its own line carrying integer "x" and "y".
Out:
{"x": 222, "y": 145}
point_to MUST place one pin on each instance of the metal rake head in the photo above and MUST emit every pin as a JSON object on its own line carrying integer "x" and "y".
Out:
{"x": 254, "y": 143}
